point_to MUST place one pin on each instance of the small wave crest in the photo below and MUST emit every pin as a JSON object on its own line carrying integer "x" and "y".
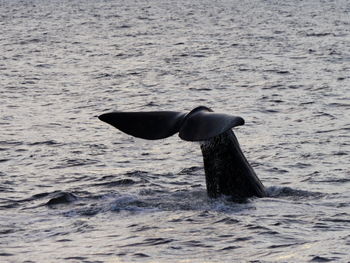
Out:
{"x": 196, "y": 201}
{"x": 61, "y": 198}
{"x": 280, "y": 191}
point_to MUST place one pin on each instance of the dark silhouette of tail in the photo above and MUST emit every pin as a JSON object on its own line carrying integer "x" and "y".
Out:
{"x": 198, "y": 125}
{"x": 227, "y": 171}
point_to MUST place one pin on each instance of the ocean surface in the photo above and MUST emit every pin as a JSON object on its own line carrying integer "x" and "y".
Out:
{"x": 73, "y": 189}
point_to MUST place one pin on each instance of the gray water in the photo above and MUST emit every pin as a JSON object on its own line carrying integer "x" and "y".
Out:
{"x": 73, "y": 189}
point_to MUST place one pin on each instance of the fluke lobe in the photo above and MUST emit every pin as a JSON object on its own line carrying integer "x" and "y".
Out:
{"x": 227, "y": 171}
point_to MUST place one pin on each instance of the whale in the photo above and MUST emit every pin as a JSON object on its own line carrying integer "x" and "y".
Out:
{"x": 227, "y": 170}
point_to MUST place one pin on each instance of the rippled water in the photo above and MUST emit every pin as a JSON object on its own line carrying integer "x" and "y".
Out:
{"x": 76, "y": 190}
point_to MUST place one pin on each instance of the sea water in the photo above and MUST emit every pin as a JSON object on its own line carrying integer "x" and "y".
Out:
{"x": 73, "y": 189}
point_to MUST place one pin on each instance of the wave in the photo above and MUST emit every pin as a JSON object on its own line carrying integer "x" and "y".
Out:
{"x": 288, "y": 192}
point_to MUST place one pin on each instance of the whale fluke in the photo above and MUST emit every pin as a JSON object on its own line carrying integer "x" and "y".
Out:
{"x": 146, "y": 125}
{"x": 227, "y": 171}
{"x": 200, "y": 124}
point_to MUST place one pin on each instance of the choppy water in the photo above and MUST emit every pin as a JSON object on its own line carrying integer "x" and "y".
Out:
{"x": 73, "y": 189}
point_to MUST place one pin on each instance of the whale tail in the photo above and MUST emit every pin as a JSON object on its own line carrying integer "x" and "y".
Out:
{"x": 227, "y": 171}
{"x": 200, "y": 124}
